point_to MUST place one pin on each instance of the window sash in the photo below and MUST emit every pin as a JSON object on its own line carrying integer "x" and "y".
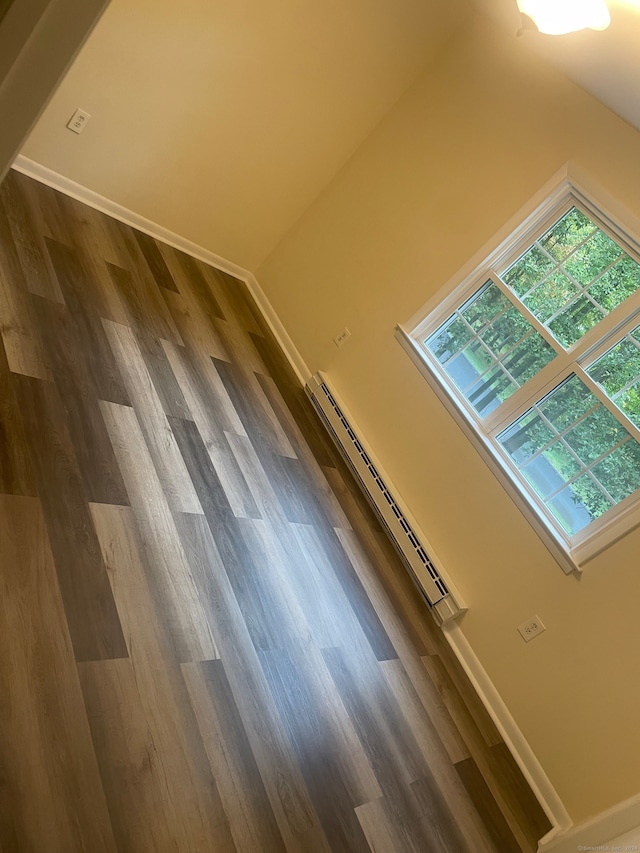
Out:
{"x": 575, "y": 359}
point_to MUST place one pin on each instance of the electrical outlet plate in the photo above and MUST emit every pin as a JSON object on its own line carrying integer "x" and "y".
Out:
{"x": 342, "y": 337}
{"x": 78, "y": 121}
{"x": 531, "y": 628}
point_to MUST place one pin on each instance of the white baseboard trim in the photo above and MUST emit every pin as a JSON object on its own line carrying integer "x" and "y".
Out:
{"x": 522, "y": 753}
{"x": 93, "y": 199}
{"x": 278, "y": 330}
{"x": 599, "y": 832}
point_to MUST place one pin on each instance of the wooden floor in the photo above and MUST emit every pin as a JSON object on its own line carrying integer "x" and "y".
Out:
{"x": 207, "y": 642}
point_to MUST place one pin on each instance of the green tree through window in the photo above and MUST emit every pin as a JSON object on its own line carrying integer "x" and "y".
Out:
{"x": 574, "y": 447}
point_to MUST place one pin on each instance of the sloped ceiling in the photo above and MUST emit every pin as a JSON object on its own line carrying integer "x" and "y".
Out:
{"x": 606, "y": 64}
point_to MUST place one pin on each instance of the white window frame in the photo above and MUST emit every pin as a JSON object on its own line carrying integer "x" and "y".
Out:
{"x": 567, "y": 189}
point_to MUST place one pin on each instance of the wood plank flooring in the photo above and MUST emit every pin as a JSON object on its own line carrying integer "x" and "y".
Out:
{"x": 208, "y": 643}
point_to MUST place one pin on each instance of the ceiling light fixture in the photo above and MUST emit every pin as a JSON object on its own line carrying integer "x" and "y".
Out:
{"x": 556, "y": 17}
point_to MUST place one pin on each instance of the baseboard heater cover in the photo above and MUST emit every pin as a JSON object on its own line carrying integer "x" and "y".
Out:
{"x": 441, "y": 597}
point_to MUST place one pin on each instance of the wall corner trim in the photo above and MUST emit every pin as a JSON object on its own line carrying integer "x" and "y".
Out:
{"x": 522, "y": 753}
{"x": 117, "y": 211}
{"x": 598, "y": 832}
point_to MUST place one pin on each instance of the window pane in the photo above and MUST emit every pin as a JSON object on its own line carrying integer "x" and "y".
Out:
{"x": 549, "y": 471}
{"x": 549, "y": 297}
{"x": 572, "y": 277}
{"x": 578, "y": 458}
{"x": 449, "y": 339}
{"x": 568, "y": 233}
{"x": 489, "y": 349}
{"x": 483, "y": 307}
{"x": 567, "y": 403}
{"x": 580, "y": 504}
{"x": 619, "y": 473}
{"x": 569, "y": 509}
{"x": 618, "y": 374}
{"x": 575, "y": 321}
{"x": 487, "y": 394}
{"x": 616, "y": 284}
{"x": 529, "y": 270}
{"x": 629, "y": 403}
{"x": 595, "y": 435}
{"x": 505, "y": 331}
{"x": 592, "y": 258}
{"x": 617, "y": 368}
{"x": 526, "y": 437}
{"x": 528, "y": 358}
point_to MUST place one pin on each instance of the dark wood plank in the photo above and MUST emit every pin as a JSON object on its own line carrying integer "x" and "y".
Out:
{"x": 90, "y": 358}
{"x": 246, "y": 802}
{"x": 234, "y": 298}
{"x": 91, "y": 612}
{"x": 199, "y": 286}
{"x": 520, "y": 798}
{"x": 485, "y": 803}
{"x": 21, "y": 345}
{"x": 296, "y": 400}
{"x": 157, "y": 264}
{"x": 317, "y": 755}
{"x": 92, "y": 247}
{"x": 44, "y": 205}
{"x": 79, "y": 394}
{"x": 51, "y": 797}
{"x": 16, "y": 472}
{"x": 387, "y": 578}
{"x": 312, "y": 478}
{"x": 38, "y": 273}
{"x": 164, "y": 381}
{"x": 195, "y": 328}
{"x": 392, "y": 750}
{"x": 213, "y": 414}
{"x": 146, "y": 309}
{"x": 242, "y": 552}
{"x": 254, "y": 410}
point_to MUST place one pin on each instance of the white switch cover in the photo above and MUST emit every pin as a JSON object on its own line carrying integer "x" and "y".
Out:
{"x": 342, "y": 337}
{"x": 531, "y": 628}
{"x": 78, "y": 121}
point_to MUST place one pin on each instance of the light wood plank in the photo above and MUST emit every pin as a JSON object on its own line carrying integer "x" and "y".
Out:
{"x": 381, "y": 834}
{"x": 159, "y": 438}
{"x": 185, "y": 614}
{"x": 280, "y": 773}
{"x": 154, "y": 695}
{"x": 213, "y": 412}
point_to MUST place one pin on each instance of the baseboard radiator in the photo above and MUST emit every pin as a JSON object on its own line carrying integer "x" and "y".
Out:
{"x": 441, "y": 597}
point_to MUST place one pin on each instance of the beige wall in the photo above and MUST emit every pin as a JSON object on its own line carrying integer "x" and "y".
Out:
{"x": 466, "y": 147}
{"x": 223, "y": 120}
{"x": 38, "y": 41}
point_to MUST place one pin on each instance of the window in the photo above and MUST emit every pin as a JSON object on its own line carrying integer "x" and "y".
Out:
{"x": 539, "y": 352}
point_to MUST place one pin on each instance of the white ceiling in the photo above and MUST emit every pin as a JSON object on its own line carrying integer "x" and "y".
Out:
{"x": 606, "y": 64}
